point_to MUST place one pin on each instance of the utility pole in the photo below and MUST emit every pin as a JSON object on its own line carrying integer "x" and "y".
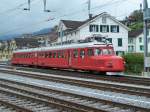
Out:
{"x": 61, "y": 34}
{"x": 29, "y": 2}
{"x": 146, "y": 18}
{"x": 89, "y": 8}
{"x": 45, "y": 10}
{"x": 29, "y": 6}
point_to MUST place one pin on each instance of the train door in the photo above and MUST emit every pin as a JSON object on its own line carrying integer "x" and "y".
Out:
{"x": 82, "y": 59}
{"x": 69, "y": 57}
{"x": 36, "y": 58}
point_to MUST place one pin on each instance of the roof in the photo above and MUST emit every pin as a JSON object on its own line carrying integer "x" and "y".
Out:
{"x": 70, "y": 46}
{"x": 24, "y": 42}
{"x": 135, "y": 33}
{"x": 73, "y": 25}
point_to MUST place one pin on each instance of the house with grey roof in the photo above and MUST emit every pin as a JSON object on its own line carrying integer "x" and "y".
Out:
{"x": 136, "y": 41}
{"x": 103, "y": 24}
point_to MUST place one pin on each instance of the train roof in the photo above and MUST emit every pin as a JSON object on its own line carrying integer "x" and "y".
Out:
{"x": 62, "y": 47}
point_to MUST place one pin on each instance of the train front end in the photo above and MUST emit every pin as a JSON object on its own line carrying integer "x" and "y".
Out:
{"x": 106, "y": 61}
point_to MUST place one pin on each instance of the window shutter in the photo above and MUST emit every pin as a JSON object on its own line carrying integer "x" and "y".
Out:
{"x": 107, "y": 28}
{"x": 97, "y": 28}
{"x": 119, "y": 42}
{"x": 100, "y": 28}
{"x": 111, "y": 28}
{"x": 117, "y": 28}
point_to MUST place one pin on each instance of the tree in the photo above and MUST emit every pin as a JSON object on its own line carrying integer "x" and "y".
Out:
{"x": 137, "y": 15}
{"x": 135, "y": 20}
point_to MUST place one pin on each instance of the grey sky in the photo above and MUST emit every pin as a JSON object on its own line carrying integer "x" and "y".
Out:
{"x": 19, "y": 21}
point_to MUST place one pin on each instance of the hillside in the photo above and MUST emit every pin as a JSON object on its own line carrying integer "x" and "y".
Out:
{"x": 11, "y": 36}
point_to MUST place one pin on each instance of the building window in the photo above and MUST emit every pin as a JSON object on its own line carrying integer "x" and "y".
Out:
{"x": 149, "y": 40}
{"x": 131, "y": 41}
{"x": 114, "y": 28}
{"x": 110, "y": 40}
{"x": 119, "y": 42}
{"x": 131, "y": 48}
{"x": 141, "y": 48}
{"x": 58, "y": 34}
{"x": 94, "y": 28}
{"x": 104, "y": 20}
{"x": 140, "y": 40}
{"x": 104, "y": 28}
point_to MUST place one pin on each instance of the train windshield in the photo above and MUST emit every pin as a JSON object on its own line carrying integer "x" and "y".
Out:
{"x": 107, "y": 52}
{"x": 98, "y": 52}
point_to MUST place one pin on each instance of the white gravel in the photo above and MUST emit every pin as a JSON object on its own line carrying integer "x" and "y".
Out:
{"x": 112, "y": 96}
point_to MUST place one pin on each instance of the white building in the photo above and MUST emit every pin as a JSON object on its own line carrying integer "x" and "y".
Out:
{"x": 136, "y": 41}
{"x": 102, "y": 24}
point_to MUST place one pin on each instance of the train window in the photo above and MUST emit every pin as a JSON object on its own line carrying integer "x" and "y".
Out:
{"x": 82, "y": 53}
{"x": 107, "y": 51}
{"x": 54, "y": 55}
{"x": 90, "y": 52}
{"x": 59, "y": 54}
{"x": 97, "y": 52}
{"x": 62, "y": 54}
{"x": 75, "y": 53}
{"x": 46, "y": 55}
{"x": 50, "y": 55}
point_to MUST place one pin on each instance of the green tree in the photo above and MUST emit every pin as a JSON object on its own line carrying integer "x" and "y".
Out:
{"x": 137, "y": 15}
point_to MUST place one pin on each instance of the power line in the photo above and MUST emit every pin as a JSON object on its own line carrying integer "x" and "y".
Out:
{"x": 64, "y": 15}
{"x": 15, "y": 8}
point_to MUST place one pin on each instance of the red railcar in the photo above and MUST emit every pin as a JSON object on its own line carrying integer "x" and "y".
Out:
{"x": 93, "y": 56}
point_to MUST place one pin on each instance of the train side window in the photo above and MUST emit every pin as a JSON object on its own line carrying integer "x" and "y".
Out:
{"x": 82, "y": 53}
{"x": 75, "y": 53}
{"x": 97, "y": 52}
{"x": 50, "y": 55}
{"x": 59, "y": 54}
{"x": 46, "y": 55}
{"x": 54, "y": 55}
{"x": 62, "y": 54}
{"x": 90, "y": 52}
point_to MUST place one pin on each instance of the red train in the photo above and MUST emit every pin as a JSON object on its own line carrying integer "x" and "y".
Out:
{"x": 94, "y": 56}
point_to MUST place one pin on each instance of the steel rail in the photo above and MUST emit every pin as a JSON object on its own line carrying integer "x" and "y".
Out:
{"x": 68, "y": 94}
{"x": 14, "y": 107}
{"x": 94, "y": 85}
{"x": 51, "y": 101}
{"x": 86, "y": 74}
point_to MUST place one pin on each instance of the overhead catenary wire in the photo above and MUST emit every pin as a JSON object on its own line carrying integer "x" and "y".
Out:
{"x": 64, "y": 15}
{"x": 15, "y": 8}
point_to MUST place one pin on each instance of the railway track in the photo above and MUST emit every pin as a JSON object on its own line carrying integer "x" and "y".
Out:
{"x": 99, "y": 85}
{"x": 121, "y": 79}
{"x": 33, "y": 102}
{"x": 37, "y": 98}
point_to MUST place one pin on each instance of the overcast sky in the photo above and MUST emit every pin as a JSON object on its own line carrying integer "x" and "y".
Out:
{"x": 17, "y": 21}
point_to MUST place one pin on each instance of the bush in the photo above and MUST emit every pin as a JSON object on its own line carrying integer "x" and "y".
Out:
{"x": 134, "y": 62}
